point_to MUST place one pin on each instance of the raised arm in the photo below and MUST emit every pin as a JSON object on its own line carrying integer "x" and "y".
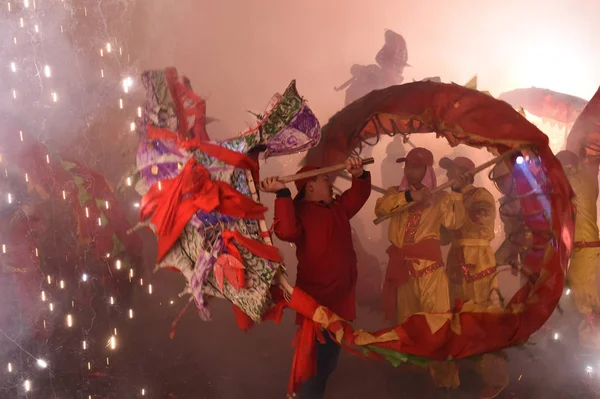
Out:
{"x": 353, "y": 199}
{"x": 285, "y": 223}
{"x": 391, "y": 200}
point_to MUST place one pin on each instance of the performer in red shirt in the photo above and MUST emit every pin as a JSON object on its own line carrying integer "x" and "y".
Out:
{"x": 319, "y": 225}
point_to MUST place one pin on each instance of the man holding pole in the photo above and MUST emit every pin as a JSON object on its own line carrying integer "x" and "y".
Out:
{"x": 471, "y": 263}
{"x": 415, "y": 279}
{"x": 319, "y": 226}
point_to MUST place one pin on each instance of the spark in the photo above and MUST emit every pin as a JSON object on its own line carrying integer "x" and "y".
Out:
{"x": 21, "y": 22}
{"x": 10, "y": 368}
{"x": 13, "y": 67}
{"x": 9, "y": 198}
{"x": 64, "y": 193}
{"x": 106, "y": 204}
{"x": 121, "y": 103}
{"x": 26, "y": 3}
{"x": 136, "y": 205}
{"x": 118, "y": 264}
{"x": 84, "y": 277}
{"x": 42, "y": 363}
{"x": 47, "y": 158}
{"x": 99, "y": 221}
{"x": 132, "y": 126}
{"x": 102, "y": 73}
{"x": 556, "y": 336}
{"x": 14, "y": 93}
{"x": 143, "y": 392}
{"x": 37, "y": 253}
{"x": 129, "y": 181}
{"x": 27, "y": 385}
{"x": 87, "y": 212}
{"x": 139, "y": 112}
{"x": 150, "y": 288}
{"x": 47, "y": 71}
{"x": 131, "y": 313}
{"x": 21, "y": 135}
{"x": 37, "y": 28}
{"x": 84, "y": 345}
{"x": 130, "y": 273}
{"x": 3, "y": 248}
{"x": 54, "y": 96}
{"x": 112, "y": 342}
{"x": 44, "y": 296}
{"x": 108, "y": 48}
{"x": 49, "y": 279}
{"x": 568, "y": 291}
{"x": 26, "y": 178}
{"x": 69, "y": 320}
{"x": 112, "y": 300}
{"x": 51, "y": 306}
{"x": 62, "y": 284}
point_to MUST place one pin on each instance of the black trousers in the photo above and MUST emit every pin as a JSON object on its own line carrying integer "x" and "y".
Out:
{"x": 327, "y": 359}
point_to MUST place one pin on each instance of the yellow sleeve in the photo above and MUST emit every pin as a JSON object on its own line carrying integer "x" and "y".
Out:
{"x": 484, "y": 200}
{"x": 390, "y": 201}
{"x": 452, "y": 210}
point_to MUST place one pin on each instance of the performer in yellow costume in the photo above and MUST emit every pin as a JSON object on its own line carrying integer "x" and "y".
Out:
{"x": 472, "y": 266}
{"x": 585, "y": 258}
{"x": 415, "y": 278}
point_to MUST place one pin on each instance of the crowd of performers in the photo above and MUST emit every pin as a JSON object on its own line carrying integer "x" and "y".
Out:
{"x": 417, "y": 278}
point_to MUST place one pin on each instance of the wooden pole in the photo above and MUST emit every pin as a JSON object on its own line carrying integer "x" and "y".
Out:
{"x": 449, "y": 183}
{"x": 320, "y": 171}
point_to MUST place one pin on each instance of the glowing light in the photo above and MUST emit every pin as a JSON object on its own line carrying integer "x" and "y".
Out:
{"x": 21, "y": 135}
{"x": 112, "y": 343}
{"x": 112, "y": 300}
{"x": 589, "y": 369}
{"x": 139, "y": 112}
{"x": 131, "y": 313}
{"x": 13, "y": 67}
{"x": 127, "y": 83}
{"x": 136, "y": 205}
{"x": 108, "y": 48}
{"x": 26, "y": 177}
{"x": 107, "y": 362}
{"x": 3, "y": 248}
{"x": 49, "y": 279}
{"x": 14, "y": 93}
{"x": 37, "y": 28}
{"x": 27, "y": 385}
{"x": 99, "y": 221}
{"x": 21, "y": 22}
{"x": 85, "y": 11}
{"x": 42, "y": 363}
{"x": 89, "y": 366}
{"x": 62, "y": 29}
{"x": 54, "y": 96}
{"x": 568, "y": 292}
{"x": 26, "y": 3}
{"x": 143, "y": 392}
{"x": 141, "y": 281}
{"x": 172, "y": 302}
{"x": 130, "y": 273}
{"x": 47, "y": 158}
{"x": 44, "y": 296}
{"x": 9, "y": 6}
{"x": 556, "y": 336}
{"x": 121, "y": 103}
{"x": 115, "y": 330}
{"x": 84, "y": 277}
{"x": 129, "y": 181}
{"x": 62, "y": 284}
{"x": 520, "y": 160}
{"x": 106, "y": 204}
{"x": 107, "y": 255}
{"x": 64, "y": 193}
{"x": 69, "y": 320}
{"x": 47, "y": 71}
{"x": 159, "y": 185}
{"x": 118, "y": 264}
{"x": 102, "y": 73}
{"x": 9, "y": 198}
{"x": 10, "y": 369}
{"x": 132, "y": 126}
{"x": 51, "y": 306}
{"x": 84, "y": 345}
{"x": 120, "y": 50}
{"x": 87, "y": 212}
{"x": 37, "y": 253}
{"x": 149, "y": 288}
{"x": 101, "y": 53}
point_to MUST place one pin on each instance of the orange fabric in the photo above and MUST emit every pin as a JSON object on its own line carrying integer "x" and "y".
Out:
{"x": 397, "y": 274}
{"x": 171, "y": 206}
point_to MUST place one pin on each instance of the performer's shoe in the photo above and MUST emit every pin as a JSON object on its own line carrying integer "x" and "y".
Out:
{"x": 490, "y": 392}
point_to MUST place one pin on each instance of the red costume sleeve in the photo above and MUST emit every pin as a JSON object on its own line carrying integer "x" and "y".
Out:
{"x": 286, "y": 224}
{"x": 356, "y": 196}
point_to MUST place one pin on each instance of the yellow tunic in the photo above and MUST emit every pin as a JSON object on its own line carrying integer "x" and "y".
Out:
{"x": 471, "y": 263}
{"x": 472, "y": 266}
{"x": 584, "y": 261}
{"x": 427, "y": 290}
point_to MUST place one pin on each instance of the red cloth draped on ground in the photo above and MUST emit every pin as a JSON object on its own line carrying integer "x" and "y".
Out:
{"x": 171, "y": 203}
{"x": 398, "y": 272}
